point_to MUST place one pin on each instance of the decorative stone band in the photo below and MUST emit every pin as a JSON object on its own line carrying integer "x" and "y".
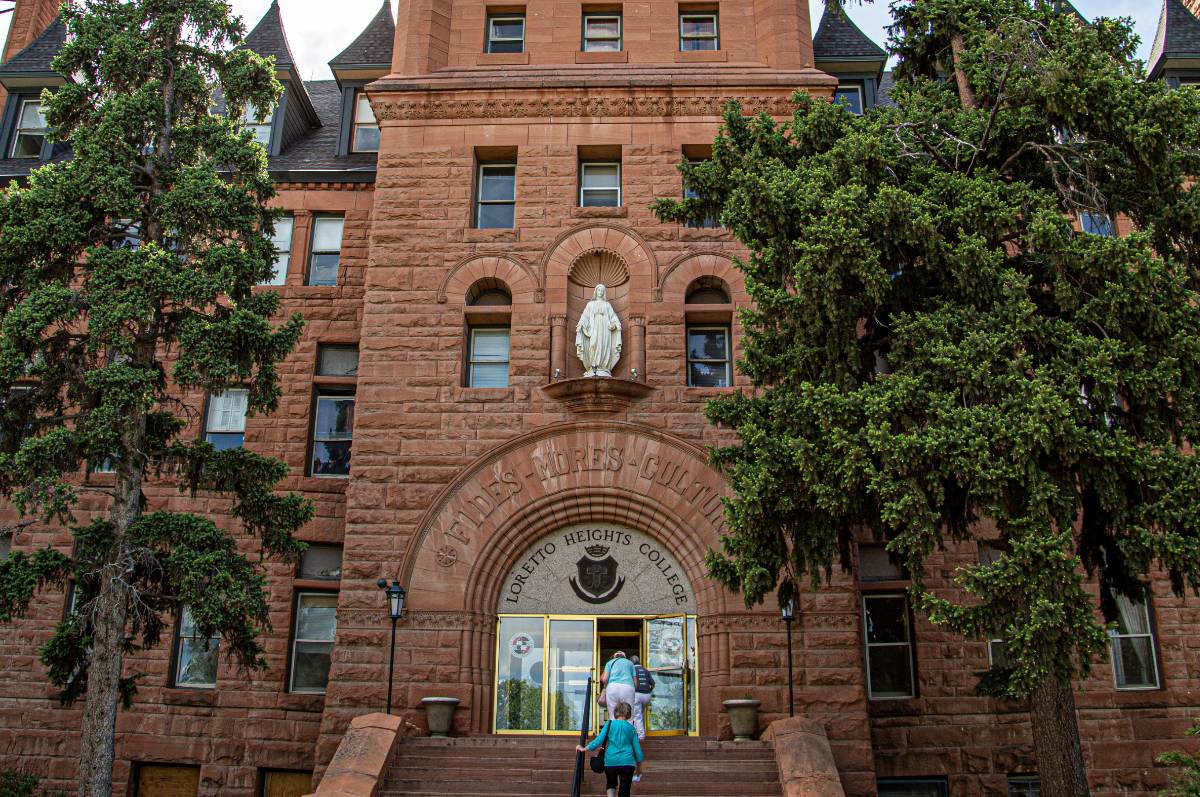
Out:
{"x": 579, "y": 107}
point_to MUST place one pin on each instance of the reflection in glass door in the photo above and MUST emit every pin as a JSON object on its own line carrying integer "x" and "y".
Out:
{"x": 569, "y": 655}
{"x": 519, "y": 664}
{"x": 666, "y": 640}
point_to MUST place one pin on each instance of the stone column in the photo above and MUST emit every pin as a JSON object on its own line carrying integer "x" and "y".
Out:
{"x": 637, "y": 347}
{"x": 558, "y": 346}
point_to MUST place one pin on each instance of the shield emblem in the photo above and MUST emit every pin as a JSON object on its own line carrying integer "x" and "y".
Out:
{"x": 597, "y": 581}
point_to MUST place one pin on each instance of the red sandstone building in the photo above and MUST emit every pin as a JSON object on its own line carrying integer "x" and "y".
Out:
{"x": 454, "y": 197}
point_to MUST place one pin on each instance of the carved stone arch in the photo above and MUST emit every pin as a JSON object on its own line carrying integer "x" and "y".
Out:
{"x": 689, "y": 266}
{"x": 598, "y": 236}
{"x": 521, "y": 280}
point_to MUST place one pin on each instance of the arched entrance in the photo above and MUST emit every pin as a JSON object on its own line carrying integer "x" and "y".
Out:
{"x": 614, "y": 477}
{"x": 576, "y": 597}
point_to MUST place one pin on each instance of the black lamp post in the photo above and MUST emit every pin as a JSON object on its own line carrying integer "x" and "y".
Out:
{"x": 788, "y": 610}
{"x": 395, "y": 595}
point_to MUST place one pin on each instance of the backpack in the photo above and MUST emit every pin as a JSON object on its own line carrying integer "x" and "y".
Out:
{"x": 643, "y": 681}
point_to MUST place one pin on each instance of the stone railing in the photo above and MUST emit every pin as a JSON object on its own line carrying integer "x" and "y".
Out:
{"x": 360, "y": 764}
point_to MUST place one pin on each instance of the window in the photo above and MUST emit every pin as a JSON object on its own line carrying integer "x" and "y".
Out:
{"x": 321, "y": 561}
{"x": 707, "y": 290}
{"x": 488, "y": 359}
{"x": 601, "y": 33}
{"x": 889, "y": 647}
{"x": 1097, "y": 224}
{"x": 849, "y": 97}
{"x": 708, "y": 356}
{"x": 312, "y": 641}
{"x": 506, "y": 33}
{"x": 913, "y": 787}
{"x": 166, "y": 780}
{"x": 1024, "y": 786}
{"x": 333, "y": 433}
{"x": 281, "y": 239}
{"x": 876, "y": 564}
{"x": 496, "y": 196}
{"x": 708, "y": 222}
{"x": 195, "y": 655}
{"x": 990, "y": 553}
{"x": 225, "y": 422}
{"x": 5, "y": 546}
{"x": 599, "y": 185}
{"x": 365, "y": 135}
{"x": 285, "y": 783}
{"x": 31, "y": 130}
{"x": 326, "y": 250}
{"x": 258, "y": 124}
{"x": 337, "y": 360}
{"x": 698, "y": 32}
{"x": 1135, "y": 665}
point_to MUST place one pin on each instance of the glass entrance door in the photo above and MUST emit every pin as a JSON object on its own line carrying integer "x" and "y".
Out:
{"x": 569, "y": 658}
{"x": 666, "y": 640}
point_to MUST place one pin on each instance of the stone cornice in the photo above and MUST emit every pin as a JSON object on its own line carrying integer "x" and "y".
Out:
{"x": 390, "y": 108}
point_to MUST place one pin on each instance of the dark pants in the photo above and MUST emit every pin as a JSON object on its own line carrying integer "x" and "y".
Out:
{"x": 622, "y": 774}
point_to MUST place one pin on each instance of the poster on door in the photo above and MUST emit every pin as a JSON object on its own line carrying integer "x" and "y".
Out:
{"x": 664, "y": 644}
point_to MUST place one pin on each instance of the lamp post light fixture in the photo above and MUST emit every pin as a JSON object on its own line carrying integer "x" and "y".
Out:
{"x": 395, "y": 596}
{"x": 788, "y": 611}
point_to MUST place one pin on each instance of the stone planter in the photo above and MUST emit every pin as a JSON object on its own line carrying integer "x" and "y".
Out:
{"x": 743, "y": 718}
{"x": 439, "y": 714}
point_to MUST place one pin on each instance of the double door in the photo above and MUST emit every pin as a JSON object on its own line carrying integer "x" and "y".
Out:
{"x": 543, "y": 664}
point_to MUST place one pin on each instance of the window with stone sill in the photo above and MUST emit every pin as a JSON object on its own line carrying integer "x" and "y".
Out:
{"x": 599, "y": 184}
{"x": 990, "y": 553}
{"x": 505, "y": 33}
{"x": 321, "y": 562}
{"x": 30, "y": 135}
{"x": 1024, "y": 786}
{"x": 337, "y": 359}
{"x": 496, "y": 196}
{"x": 1134, "y": 657}
{"x": 699, "y": 31}
{"x": 488, "y": 356}
{"x": 888, "y": 638}
{"x": 326, "y": 250}
{"x": 601, "y": 33}
{"x": 364, "y": 137}
{"x": 708, "y": 360}
{"x": 876, "y": 564}
{"x": 195, "y": 655}
{"x": 281, "y": 240}
{"x": 312, "y": 642}
{"x": 709, "y": 222}
{"x": 333, "y": 432}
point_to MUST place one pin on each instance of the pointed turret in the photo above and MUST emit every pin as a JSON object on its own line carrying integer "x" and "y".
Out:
{"x": 1176, "y": 44}
{"x": 844, "y": 51}
{"x": 296, "y": 114}
{"x": 370, "y": 55}
{"x": 31, "y": 67}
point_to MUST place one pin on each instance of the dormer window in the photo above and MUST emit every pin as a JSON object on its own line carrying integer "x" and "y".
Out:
{"x": 850, "y": 97}
{"x": 366, "y": 128}
{"x": 31, "y": 131}
{"x": 506, "y": 33}
{"x": 258, "y": 124}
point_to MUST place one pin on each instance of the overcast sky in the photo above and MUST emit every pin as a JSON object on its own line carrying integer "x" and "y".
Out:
{"x": 317, "y": 35}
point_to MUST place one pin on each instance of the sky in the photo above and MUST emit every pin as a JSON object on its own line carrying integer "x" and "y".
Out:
{"x": 316, "y": 35}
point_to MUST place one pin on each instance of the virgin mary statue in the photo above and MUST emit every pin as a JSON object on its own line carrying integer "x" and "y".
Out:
{"x": 598, "y": 336}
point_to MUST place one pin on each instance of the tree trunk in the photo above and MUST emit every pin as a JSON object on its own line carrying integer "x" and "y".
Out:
{"x": 1056, "y": 741}
{"x": 103, "y": 685}
{"x": 965, "y": 94}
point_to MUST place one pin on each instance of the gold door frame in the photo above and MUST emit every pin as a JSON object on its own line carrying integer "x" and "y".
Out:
{"x": 596, "y": 667}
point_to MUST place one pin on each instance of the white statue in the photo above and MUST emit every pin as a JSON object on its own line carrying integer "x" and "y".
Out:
{"x": 598, "y": 336}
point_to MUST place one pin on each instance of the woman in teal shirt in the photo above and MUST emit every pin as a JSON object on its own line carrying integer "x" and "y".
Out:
{"x": 622, "y": 751}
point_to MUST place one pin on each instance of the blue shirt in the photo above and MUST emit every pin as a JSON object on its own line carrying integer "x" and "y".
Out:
{"x": 620, "y": 671}
{"x": 623, "y": 749}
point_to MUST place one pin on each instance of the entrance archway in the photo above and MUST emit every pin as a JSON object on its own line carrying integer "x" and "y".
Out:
{"x": 479, "y": 528}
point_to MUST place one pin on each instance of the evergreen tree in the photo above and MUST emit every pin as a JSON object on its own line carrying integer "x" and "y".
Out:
{"x": 126, "y": 288}
{"x": 941, "y": 356}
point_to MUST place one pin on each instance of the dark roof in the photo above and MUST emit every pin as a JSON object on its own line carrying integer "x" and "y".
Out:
{"x": 269, "y": 38}
{"x": 317, "y": 150}
{"x": 886, "y": 82}
{"x": 37, "y": 57}
{"x": 373, "y": 47}
{"x": 1178, "y": 35}
{"x": 839, "y": 39}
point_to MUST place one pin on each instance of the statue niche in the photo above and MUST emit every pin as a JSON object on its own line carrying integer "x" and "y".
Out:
{"x": 597, "y": 300}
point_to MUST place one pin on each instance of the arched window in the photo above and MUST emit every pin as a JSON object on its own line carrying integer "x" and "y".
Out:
{"x": 489, "y": 326}
{"x": 709, "y": 338}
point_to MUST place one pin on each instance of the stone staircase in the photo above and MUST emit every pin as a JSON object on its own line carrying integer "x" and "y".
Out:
{"x": 517, "y": 766}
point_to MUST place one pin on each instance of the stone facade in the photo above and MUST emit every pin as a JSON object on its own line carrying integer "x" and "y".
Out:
{"x": 452, "y": 486}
